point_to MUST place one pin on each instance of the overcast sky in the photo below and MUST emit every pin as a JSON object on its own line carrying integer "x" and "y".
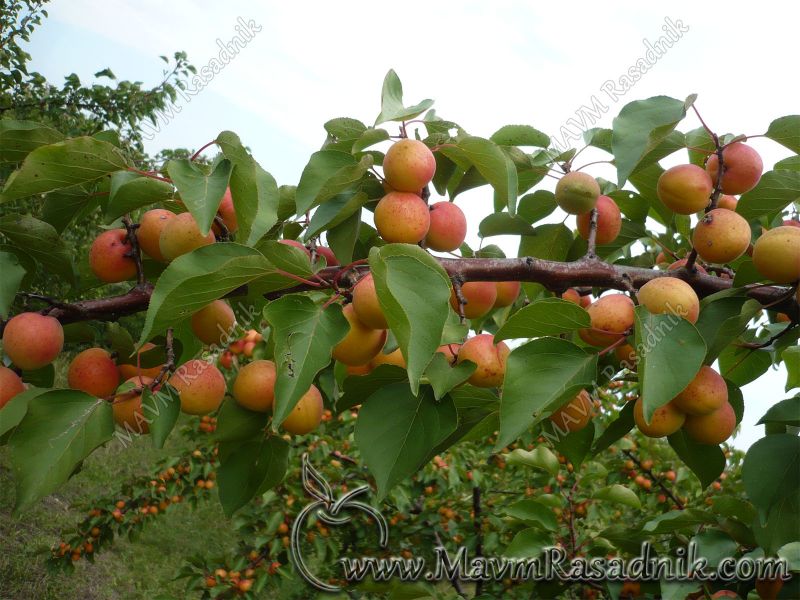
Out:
{"x": 486, "y": 64}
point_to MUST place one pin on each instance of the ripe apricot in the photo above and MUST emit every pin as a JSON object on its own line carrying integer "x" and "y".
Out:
{"x": 450, "y": 352}
{"x": 330, "y": 257}
{"x": 395, "y": 357}
{"x": 127, "y": 411}
{"x": 182, "y": 235}
{"x": 489, "y": 357}
{"x": 10, "y": 385}
{"x": 721, "y": 236}
{"x": 227, "y": 212}
{"x": 402, "y": 217}
{"x": 776, "y": 254}
{"x": 611, "y": 316}
{"x": 366, "y": 305}
{"x": 609, "y": 221}
{"x": 448, "y": 227}
{"x": 200, "y": 386}
{"x": 575, "y": 414}
{"x": 670, "y": 295}
{"x": 712, "y": 428}
{"x": 151, "y": 225}
{"x": 727, "y": 201}
{"x": 706, "y": 393}
{"x": 480, "y": 297}
{"x": 126, "y": 371}
{"x": 254, "y": 387}
{"x": 408, "y": 166}
{"x": 307, "y": 413}
{"x": 742, "y": 168}
{"x": 94, "y": 372}
{"x": 213, "y": 323}
{"x": 297, "y": 245}
{"x": 679, "y": 264}
{"x": 361, "y": 343}
{"x": 666, "y": 420}
{"x": 577, "y": 192}
{"x": 626, "y": 355}
{"x": 685, "y": 189}
{"x": 507, "y": 292}
{"x": 572, "y": 295}
{"x": 32, "y": 341}
{"x": 110, "y": 257}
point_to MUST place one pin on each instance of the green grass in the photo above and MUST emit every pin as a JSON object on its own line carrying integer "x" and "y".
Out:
{"x": 127, "y": 570}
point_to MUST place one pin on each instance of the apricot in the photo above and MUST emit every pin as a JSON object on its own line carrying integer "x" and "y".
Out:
{"x": 728, "y": 202}
{"x": 742, "y": 168}
{"x": 670, "y": 295}
{"x": 450, "y": 352}
{"x": 181, "y": 235}
{"x": 110, "y": 257}
{"x": 359, "y": 369}
{"x": 611, "y": 316}
{"x": 307, "y": 413}
{"x": 214, "y": 323}
{"x": 151, "y": 225}
{"x": 94, "y": 372}
{"x": 480, "y": 297}
{"x": 227, "y": 212}
{"x": 395, "y": 357}
{"x": 32, "y": 341}
{"x": 609, "y": 221}
{"x": 507, "y": 292}
{"x": 10, "y": 385}
{"x": 128, "y": 413}
{"x": 254, "y": 387}
{"x": 401, "y": 217}
{"x": 200, "y": 386}
{"x": 680, "y": 263}
{"x": 791, "y": 223}
{"x": 768, "y": 589}
{"x": 127, "y": 371}
{"x": 572, "y": 295}
{"x": 577, "y": 192}
{"x": 685, "y": 189}
{"x": 575, "y": 414}
{"x": 366, "y": 305}
{"x": 330, "y": 257}
{"x": 776, "y": 254}
{"x": 448, "y": 227}
{"x": 712, "y": 428}
{"x": 489, "y": 357}
{"x": 408, "y": 166}
{"x": 666, "y": 420}
{"x": 361, "y": 343}
{"x": 626, "y": 355}
{"x": 706, "y": 393}
{"x": 721, "y": 236}
{"x": 296, "y": 244}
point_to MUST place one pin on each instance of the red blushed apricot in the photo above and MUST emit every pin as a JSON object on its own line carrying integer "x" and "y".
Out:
{"x": 227, "y": 212}
{"x": 200, "y": 386}
{"x": 213, "y": 323}
{"x": 126, "y": 371}
{"x": 706, "y": 393}
{"x": 721, "y": 236}
{"x": 685, "y": 189}
{"x": 743, "y": 168}
{"x": 507, "y": 292}
{"x": 296, "y": 244}
{"x": 32, "y": 341}
{"x": 572, "y": 295}
{"x": 151, "y": 225}
{"x": 254, "y": 387}
{"x": 182, "y": 235}
{"x": 307, "y": 413}
{"x": 401, "y": 217}
{"x": 366, "y": 305}
{"x": 480, "y": 297}
{"x": 670, "y": 295}
{"x": 361, "y": 343}
{"x": 611, "y": 316}
{"x": 728, "y": 202}
{"x": 791, "y": 223}
{"x": 577, "y": 192}
{"x": 110, "y": 257}
{"x": 776, "y": 254}
{"x": 575, "y": 414}
{"x": 680, "y": 263}
{"x": 609, "y": 221}
{"x": 448, "y": 227}
{"x": 94, "y": 372}
{"x": 713, "y": 428}
{"x": 408, "y": 166}
{"x": 489, "y": 357}
{"x": 330, "y": 257}
{"x": 128, "y": 413}
{"x": 10, "y": 385}
{"x": 666, "y": 420}
{"x": 450, "y": 352}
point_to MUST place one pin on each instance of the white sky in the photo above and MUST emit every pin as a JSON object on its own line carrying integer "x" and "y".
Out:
{"x": 486, "y": 64}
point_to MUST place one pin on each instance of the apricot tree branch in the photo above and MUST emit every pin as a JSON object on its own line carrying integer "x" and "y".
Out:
{"x": 462, "y": 301}
{"x": 591, "y": 247}
{"x": 655, "y": 478}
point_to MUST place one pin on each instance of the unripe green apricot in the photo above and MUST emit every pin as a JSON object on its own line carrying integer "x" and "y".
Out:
{"x": 577, "y": 192}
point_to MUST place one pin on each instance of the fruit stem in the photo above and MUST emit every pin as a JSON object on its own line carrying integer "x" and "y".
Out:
{"x": 136, "y": 253}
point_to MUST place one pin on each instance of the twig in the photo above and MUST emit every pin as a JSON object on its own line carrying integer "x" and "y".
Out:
{"x": 771, "y": 340}
{"x": 136, "y": 252}
{"x": 478, "y": 528}
{"x": 462, "y": 301}
{"x": 591, "y": 247}
{"x": 345, "y": 458}
{"x": 224, "y": 233}
{"x": 655, "y": 478}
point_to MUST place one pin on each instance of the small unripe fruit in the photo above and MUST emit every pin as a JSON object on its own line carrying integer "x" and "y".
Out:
{"x": 507, "y": 292}
{"x": 609, "y": 221}
{"x": 10, "y": 385}
{"x": 776, "y": 254}
{"x": 402, "y": 217}
{"x": 448, "y": 227}
{"x": 577, "y": 192}
{"x": 151, "y": 225}
{"x": 611, "y": 316}
{"x": 361, "y": 343}
{"x": 743, "y": 168}
{"x": 213, "y": 323}
{"x": 127, "y": 411}
{"x": 93, "y": 372}
{"x": 666, "y": 420}
{"x": 227, "y": 212}
{"x": 409, "y": 166}
{"x": 706, "y": 393}
{"x": 685, "y": 189}
{"x": 721, "y": 236}
{"x": 480, "y": 297}
{"x": 110, "y": 257}
{"x": 307, "y": 413}
{"x": 575, "y": 414}
{"x": 182, "y": 235}
{"x": 126, "y": 371}
{"x": 32, "y": 341}
{"x": 671, "y": 296}
{"x": 200, "y": 386}
{"x": 713, "y": 428}
{"x": 489, "y": 357}
{"x": 366, "y": 305}
{"x": 254, "y": 387}
{"x": 728, "y": 202}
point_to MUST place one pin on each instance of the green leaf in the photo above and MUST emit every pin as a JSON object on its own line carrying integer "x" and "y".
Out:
{"x": 345, "y": 128}
{"x": 414, "y": 293}
{"x": 670, "y": 352}
{"x": 520, "y": 135}
{"x": 13, "y": 412}
{"x": 161, "y": 409}
{"x": 786, "y": 412}
{"x": 576, "y": 445}
{"x": 236, "y": 424}
{"x": 129, "y": 192}
{"x": 640, "y": 127}
{"x": 533, "y": 513}
{"x": 706, "y": 462}
{"x": 304, "y": 335}
{"x": 63, "y": 207}
{"x": 358, "y": 388}
{"x": 342, "y": 238}
{"x": 287, "y": 258}
{"x": 501, "y": 223}
{"x": 60, "y": 429}
{"x": 443, "y": 376}
{"x": 255, "y": 194}
{"x": 201, "y": 192}
{"x": 618, "y": 494}
{"x": 734, "y": 508}
{"x": 19, "y": 138}
{"x": 494, "y": 166}
{"x": 677, "y": 520}
{"x": 616, "y": 429}
{"x": 327, "y": 174}
{"x": 775, "y": 191}
{"x": 396, "y": 430}
{"x": 548, "y": 316}
{"x": 370, "y": 137}
{"x": 540, "y": 458}
{"x": 791, "y": 554}
{"x": 392, "y": 108}
{"x": 786, "y": 131}
{"x": 253, "y": 467}
{"x": 529, "y": 543}
{"x": 334, "y": 212}
{"x": 771, "y": 470}
{"x": 40, "y": 241}
{"x": 13, "y": 272}
{"x": 549, "y": 242}
{"x": 743, "y": 365}
{"x": 537, "y": 205}
{"x": 61, "y": 165}
{"x": 722, "y": 321}
{"x": 540, "y": 376}
{"x": 791, "y": 359}
{"x": 678, "y": 590}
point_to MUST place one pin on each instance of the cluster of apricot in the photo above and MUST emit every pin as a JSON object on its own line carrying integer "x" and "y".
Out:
{"x": 244, "y": 346}
{"x": 578, "y": 193}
